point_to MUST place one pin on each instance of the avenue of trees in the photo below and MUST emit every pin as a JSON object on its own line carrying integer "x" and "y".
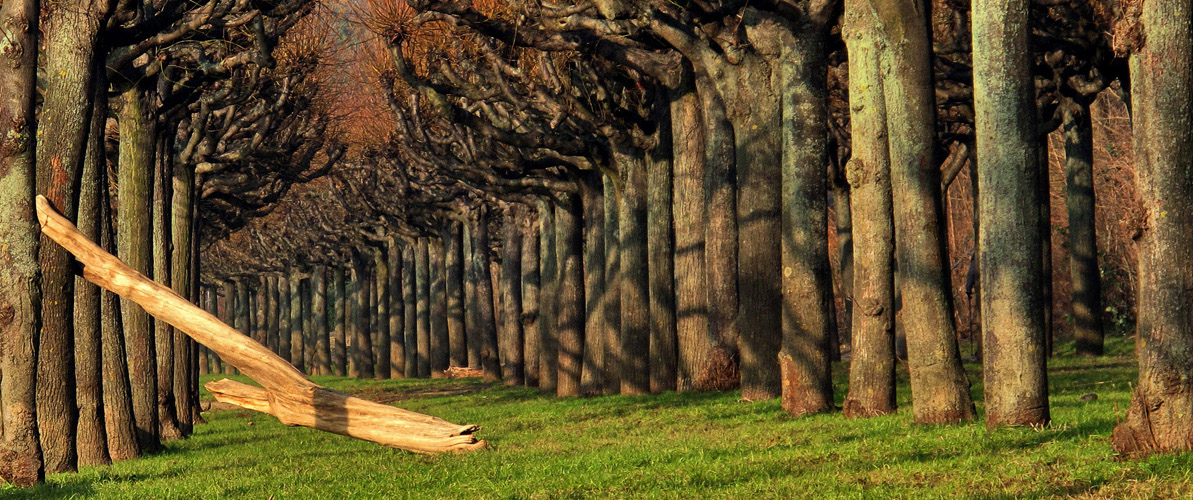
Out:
{"x": 588, "y": 197}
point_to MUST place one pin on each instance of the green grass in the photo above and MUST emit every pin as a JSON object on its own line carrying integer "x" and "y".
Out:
{"x": 664, "y": 446}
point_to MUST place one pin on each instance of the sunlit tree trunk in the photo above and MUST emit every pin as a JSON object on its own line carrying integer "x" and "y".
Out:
{"x": 531, "y": 283}
{"x": 660, "y": 245}
{"x": 570, "y": 311}
{"x": 612, "y": 302}
{"x": 549, "y": 274}
{"x": 592, "y": 199}
{"x": 512, "y": 359}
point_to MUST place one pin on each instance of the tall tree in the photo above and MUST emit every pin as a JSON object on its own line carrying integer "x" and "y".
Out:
{"x": 1014, "y": 337}
{"x": 20, "y": 296}
{"x": 1084, "y": 272}
{"x": 1159, "y": 417}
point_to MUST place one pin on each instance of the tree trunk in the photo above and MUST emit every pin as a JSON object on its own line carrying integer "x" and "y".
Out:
{"x": 635, "y": 279}
{"x": 91, "y": 441}
{"x": 163, "y": 336}
{"x": 410, "y": 306}
{"x": 284, "y": 328}
{"x": 528, "y": 229}
{"x": 454, "y": 274}
{"x": 134, "y": 239}
{"x": 439, "y": 335}
{"x": 1083, "y": 238}
{"x": 872, "y": 363}
{"x": 487, "y": 327}
{"x": 182, "y": 280}
{"x": 270, "y": 302}
{"x": 570, "y": 311}
{"x": 119, "y": 421}
{"x": 939, "y": 387}
{"x": 471, "y": 337}
{"x": 319, "y": 318}
{"x": 612, "y": 298}
{"x": 843, "y": 224}
{"x": 339, "y": 353}
{"x": 381, "y": 314}
{"x": 423, "y": 296}
{"x": 1159, "y": 417}
{"x": 696, "y": 344}
{"x": 362, "y": 340}
{"x": 397, "y": 330}
{"x": 595, "y": 293}
{"x": 513, "y": 361}
{"x": 1015, "y": 351}
{"x": 296, "y": 342}
{"x": 805, "y": 360}
{"x": 70, "y": 35}
{"x": 660, "y": 244}
{"x": 549, "y": 274}
{"x": 720, "y": 238}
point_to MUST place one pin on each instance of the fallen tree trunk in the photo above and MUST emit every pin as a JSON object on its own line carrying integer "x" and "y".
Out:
{"x": 287, "y": 394}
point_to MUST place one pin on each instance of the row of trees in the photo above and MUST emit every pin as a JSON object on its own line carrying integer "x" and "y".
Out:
{"x": 129, "y": 117}
{"x": 674, "y": 162}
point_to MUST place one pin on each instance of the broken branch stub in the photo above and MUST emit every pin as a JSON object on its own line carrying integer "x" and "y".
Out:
{"x": 286, "y": 394}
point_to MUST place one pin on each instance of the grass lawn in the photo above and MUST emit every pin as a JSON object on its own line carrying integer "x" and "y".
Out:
{"x": 664, "y": 446}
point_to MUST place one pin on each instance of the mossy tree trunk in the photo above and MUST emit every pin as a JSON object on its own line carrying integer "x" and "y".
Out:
{"x": 1160, "y": 414}
{"x": 940, "y": 389}
{"x": 1013, "y": 328}
{"x": 872, "y": 366}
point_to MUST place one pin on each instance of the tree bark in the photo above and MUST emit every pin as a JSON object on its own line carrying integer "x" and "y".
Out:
{"x": 570, "y": 311}
{"x": 296, "y": 342}
{"x": 612, "y": 297}
{"x": 183, "y": 281}
{"x": 163, "y": 336}
{"x": 592, "y": 200}
{"x": 1160, "y": 414}
{"x": 513, "y": 361}
{"x": 872, "y": 363}
{"x": 528, "y": 229}
{"x": 549, "y": 274}
{"x": 635, "y": 278}
{"x": 397, "y": 327}
{"x": 380, "y": 313}
{"x": 134, "y": 239}
{"x": 939, "y": 387}
{"x": 91, "y": 441}
{"x": 1015, "y": 350}
{"x": 453, "y": 261}
{"x": 439, "y": 335}
{"x": 362, "y": 339}
{"x": 339, "y": 353}
{"x": 471, "y": 335}
{"x": 1080, "y": 200}
{"x": 423, "y": 296}
{"x": 808, "y": 310}
{"x": 410, "y": 306}
{"x": 119, "y": 420}
{"x": 660, "y": 244}
{"x": 319, "y": 318}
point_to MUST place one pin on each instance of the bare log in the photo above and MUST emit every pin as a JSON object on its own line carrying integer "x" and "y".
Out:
{"x": 287, "y": 394}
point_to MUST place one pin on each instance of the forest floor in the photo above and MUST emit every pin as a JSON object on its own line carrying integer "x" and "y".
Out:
{"x": 662, "y": 446}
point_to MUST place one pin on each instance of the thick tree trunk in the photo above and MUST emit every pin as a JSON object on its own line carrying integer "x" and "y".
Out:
{"x": 471, "y": 337}
{"x": 808, "y": 311}
{"x": 1161, "y": 411}
{"x": 1080, "y": 199}
{"x": 309, "y": 354}
{"x": 696, "y": 344}
{"x": 91, "y": 441}
{"x": 592, "y": 199}
{"x": 528, "y": 229}
{"x": 319, "y": 318}
{"x": 720, "y": 238}
{"x": 423, "y": 296}
{"x": 513, "y": 365}
{"x": 549, "y": 274}
{"x": 270, "y": 303}
{"x": 296, "y": 341}
{"x": 363, "y": 340}
{"x": 660, "y": 244}
{"x": 410, "y": 306}
{"x": 454, "y": 274}
{"x": 380, "y": 314}
{"x": 872, "y": 363}
{"x": 1015, "y": 350}
{"x": 487, "y": 325}
{"x": 284, "y": 346}
{"x": 939, "y": 387}
{"x": 439, "y": 335}
{"x": 339, "y": 325}
{"x": 397, "y": 327}
{"x": 612, "y": 296}
{"x": 163, "y": 336}
{"x": 570, "y": 311}
{"x": 133, "y": 241}
{"x": 635, "y": 279}
{"x": 70, "y": 34}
